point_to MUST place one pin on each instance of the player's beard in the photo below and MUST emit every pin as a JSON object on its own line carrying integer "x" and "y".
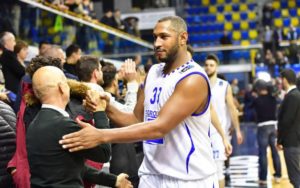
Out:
{"x": 170, "y": 56}
{"x": 211, "y": 74}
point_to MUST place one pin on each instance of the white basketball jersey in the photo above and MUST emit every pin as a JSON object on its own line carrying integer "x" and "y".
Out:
{"x": 219, "y": 90}
{"x": 185, "y": 152}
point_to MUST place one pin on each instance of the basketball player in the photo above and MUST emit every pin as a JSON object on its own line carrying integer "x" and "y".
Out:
{"x": 174, "y": 110}
{"x": 222, "y": 101}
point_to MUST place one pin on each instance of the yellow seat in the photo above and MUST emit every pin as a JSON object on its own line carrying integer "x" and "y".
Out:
{"x": 252, "y": 15}
{"x": 245, "y": 43}
{"x": 292, "y": 4}
{"x": 236, "y": 35}
{"x": 220, "y": 1}
{"x": 285, "y": 13}
{"x": 235, "y": 1}
{"x": 220, "y": 17}
{"x": 253, "y": 34}
{"x": 243, "y": 7}
{"x": 298, "y": 11}
{"x": 278, "y": 22}
{"x": 244, "y": 25}
{"x": 205, "y": 2}
{"x": 227, "y": 8}
{"x": 212, "y": 9}
{"x": 276, "y": 4}
{"x": 295, "y": 21}
{"x": 236, "y": 16}
{"x": 228, "y": 26}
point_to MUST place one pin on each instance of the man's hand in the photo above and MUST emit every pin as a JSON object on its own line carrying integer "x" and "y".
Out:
{"x": 128, "y": 70}
{"x": 228, "y": 147}
{"x": 239, "y": 137}
{"x": 94, "y": 101}
{"x": 87, "y": 137}
{"x": 279, "y": 147}
{"x": 123, "y": 182}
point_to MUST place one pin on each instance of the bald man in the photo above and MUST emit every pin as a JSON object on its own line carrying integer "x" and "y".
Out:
{"x": 50, "y": 165}
{"x": 12, "y": 69}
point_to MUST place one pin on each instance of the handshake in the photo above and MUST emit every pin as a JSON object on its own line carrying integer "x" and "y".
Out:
{"x": 95, "y": 101}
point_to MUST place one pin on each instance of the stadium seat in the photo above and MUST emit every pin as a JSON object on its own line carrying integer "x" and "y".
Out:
{"x": 298, "y": 11}
{"x": 244, "y": 25}
{"x": 227, "y": 1}
{"x": 285, "y": 13}
{"x": 213, "y": 2}
{"x": 291, "y": 4}
{"x": 220, "y": 18}
{"x": 235, "y": 7}
{"x": 253, "y": 34}
{"x": 220, "y": 1}
{"x": 293, "y": 12}
{"x": 227, "y": 8}
{"x": 251, "y": 6}
{"x": 220, "y": 26}
{"x": 284, "y": 4}
{"x": 220, "y": 8}
{"x": 252, "y": 15}
{"x": 245, "y": 35}
{"x": 228, "y": 26}
{"x": 205, "y": 2}
{"x": 235, "y": 1}
{"x": 212, "y": 9}
{"x": 236, "y": 25}
{"x": 252, "y": 24}
{"x": 228, "y": 17}
{"x": 244, "y": 15}
{"x": 236, "y": 35}
{"x": 276, "y": 4}
{"x": 236, "y": 16}
{"x": 277, "y": 14}
{"x": 243, "y": 7}
{"x": 278, "y": 22}
{"x": 286, "y": 22}
{"x": 297, "y": 3}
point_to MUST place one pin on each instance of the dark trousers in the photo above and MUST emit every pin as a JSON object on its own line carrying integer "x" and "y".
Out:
{"x": 292, "y": 160}
{"x": 266, "y": 136}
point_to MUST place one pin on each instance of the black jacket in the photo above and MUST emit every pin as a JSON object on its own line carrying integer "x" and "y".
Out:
{"x": 12, "y": 70}
{"x": 7, "y": 141}
{"x": 51, "y": 165}
{"x": 289, "y": 120}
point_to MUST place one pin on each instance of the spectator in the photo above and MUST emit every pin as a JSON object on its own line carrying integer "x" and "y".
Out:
{"x": 278, "y": 37}
{"x": 73, "y": 54}
{"x": 108, "y": 18}
{"x": 119, "y": 23}
{"x": 21, "y": 50}
{"x": 270, "y": 62}
{"x": 281, "y": 60}
{"x": 292, "y": 35}
{"x": 267, "y": 13}
{"x": 132, "y": 26}
{"x": 225, "y": 40}
{"x": 268, "y": 40}
{"x": 7, "y": 142}
{"x": 43, "y": 46}
{"x": 265, "y": 106}
{"x": 235, "y": 87}
{"x": 12, "y": 69}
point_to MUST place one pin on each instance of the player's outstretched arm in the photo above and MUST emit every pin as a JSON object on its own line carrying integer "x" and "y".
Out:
{"x": 190, "y": 96}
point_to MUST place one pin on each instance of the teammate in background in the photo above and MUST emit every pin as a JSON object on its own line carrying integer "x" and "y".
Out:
{"x": 173, "y": 109}
{"x": 222, "y": 101}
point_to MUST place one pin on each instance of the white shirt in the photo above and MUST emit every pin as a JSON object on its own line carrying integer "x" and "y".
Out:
{"x": 62, "y": 111}
{"x": 185, "y": 152}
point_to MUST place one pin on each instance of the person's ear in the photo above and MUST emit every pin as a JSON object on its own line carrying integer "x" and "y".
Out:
{"x": 183, "y": 38}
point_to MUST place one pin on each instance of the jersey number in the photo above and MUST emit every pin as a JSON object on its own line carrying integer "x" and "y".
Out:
{"x": 156, "y": 93}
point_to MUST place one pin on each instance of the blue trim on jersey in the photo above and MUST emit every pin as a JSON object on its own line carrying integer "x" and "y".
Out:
{"x": 209, "y": 91}
{"x": 192, "y": 148}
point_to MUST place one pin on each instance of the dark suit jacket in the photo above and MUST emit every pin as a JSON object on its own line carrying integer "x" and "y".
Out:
{"x": 50, "y": 164}
{"x": 289, "y": 120}
{"x": 12, "y": 70}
